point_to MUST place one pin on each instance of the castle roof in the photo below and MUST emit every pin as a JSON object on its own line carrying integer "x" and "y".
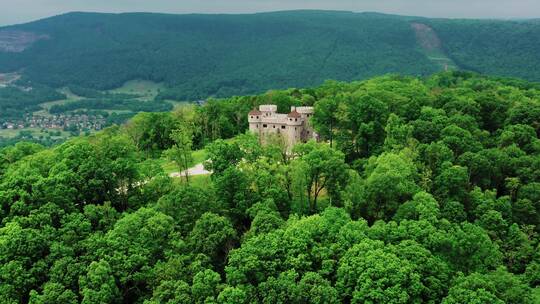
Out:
{"x": 294, "y": 114}
{"x": 255, "y": 112}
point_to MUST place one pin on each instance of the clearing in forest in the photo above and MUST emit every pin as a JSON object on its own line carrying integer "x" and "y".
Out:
{"x": 430, "y": 43}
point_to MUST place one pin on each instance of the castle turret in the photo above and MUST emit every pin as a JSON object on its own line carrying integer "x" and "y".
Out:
{"x": 294, "y": 118}
{"x": 294, "y": 127}
{"x": 268, "y": 110}
{"x": 308, "y": 132}
{"x": 305, "y": 112}
{"x": 254, "y": 119}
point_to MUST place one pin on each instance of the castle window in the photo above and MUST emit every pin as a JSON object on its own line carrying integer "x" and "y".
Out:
{"x": 257, "y": 117}
{"x": 296, "y": 119}
{"x": 265, "y": 126}
{"x": 274, "y": 127}
{"x": 283, "y": 127}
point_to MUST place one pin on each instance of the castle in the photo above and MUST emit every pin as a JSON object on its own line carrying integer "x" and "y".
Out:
{"x": 294, "y": 127}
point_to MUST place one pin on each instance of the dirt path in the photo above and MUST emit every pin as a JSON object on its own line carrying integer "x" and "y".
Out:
{"x": 196, "y": 170}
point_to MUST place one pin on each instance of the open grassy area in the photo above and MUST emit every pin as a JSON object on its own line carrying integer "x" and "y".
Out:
{"x": 36, "y": 132}
{"x": 202, "y": 181}
{"x": 147, "y": 89}
{"x": 169, "y": 167}
{"x": 199, "y": 156}
{"x": 47, "y": 105}
{"x": 8, "y": 133}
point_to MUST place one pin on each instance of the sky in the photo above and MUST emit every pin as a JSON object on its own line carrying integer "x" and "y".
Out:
{"x": 20, "y": 11}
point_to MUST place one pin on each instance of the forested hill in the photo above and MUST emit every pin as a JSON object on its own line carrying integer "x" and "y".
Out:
{"x": 421, "y": 190}
{"x": 223, "y": 55}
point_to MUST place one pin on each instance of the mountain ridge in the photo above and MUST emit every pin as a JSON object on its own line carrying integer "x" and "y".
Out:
{"x": 202, "y": 55}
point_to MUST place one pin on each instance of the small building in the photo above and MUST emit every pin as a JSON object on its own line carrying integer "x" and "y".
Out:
{"x": 294, "y": 127}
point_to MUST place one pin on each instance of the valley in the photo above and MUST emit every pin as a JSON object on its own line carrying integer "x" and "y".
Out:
{"x": 51, "y": 122}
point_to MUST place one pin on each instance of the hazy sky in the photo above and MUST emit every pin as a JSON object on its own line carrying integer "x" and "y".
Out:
{"x": 18, "y": 11}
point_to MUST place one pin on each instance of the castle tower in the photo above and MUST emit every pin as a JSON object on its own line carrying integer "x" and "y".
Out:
{"x": 268, "y": 110}
{"x": 306, "y": 113}
{"x": 254, "y": 119}
{"x": 293, "y": 127}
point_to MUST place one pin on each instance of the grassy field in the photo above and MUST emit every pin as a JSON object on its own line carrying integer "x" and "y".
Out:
{"x": 47, "y": 105}
{"x": 147, "y": 89}
{"x": 8, "y": 133}
{"x": 199, "y": 156}
{"x": 169, "y": 167}
{"x": 202, "y": 181}
{"x": 36, "y": 132}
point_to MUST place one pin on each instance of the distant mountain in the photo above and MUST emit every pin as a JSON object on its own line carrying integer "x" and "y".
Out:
{"x": 221, "y": 55}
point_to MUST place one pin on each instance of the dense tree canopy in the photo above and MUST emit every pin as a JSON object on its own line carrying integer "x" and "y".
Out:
{"x": 429, "y": 193}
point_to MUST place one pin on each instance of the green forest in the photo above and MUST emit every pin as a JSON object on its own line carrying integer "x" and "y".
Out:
{"x": 15, "y": 102}
{"x": 421, "y": 190}
{"x": 198, "y": 56}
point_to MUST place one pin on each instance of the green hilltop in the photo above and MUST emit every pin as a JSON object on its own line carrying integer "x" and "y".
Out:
{"x": 197, "y": 56}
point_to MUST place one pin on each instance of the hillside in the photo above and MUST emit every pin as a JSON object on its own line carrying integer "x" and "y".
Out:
{"x": 421, "y": 190}
{"x": 197, "y": 56}
{"x": 492, "y": 47}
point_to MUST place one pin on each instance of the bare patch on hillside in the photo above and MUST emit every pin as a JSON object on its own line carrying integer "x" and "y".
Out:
{"x": 431, "y": 44}
{"x": 14, "y": 41}
{"x": 8, "y": 78}
{"x": 426, "y": 37}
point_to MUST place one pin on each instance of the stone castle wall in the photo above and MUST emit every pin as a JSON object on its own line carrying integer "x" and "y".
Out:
{"x": 294, "y": 127}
